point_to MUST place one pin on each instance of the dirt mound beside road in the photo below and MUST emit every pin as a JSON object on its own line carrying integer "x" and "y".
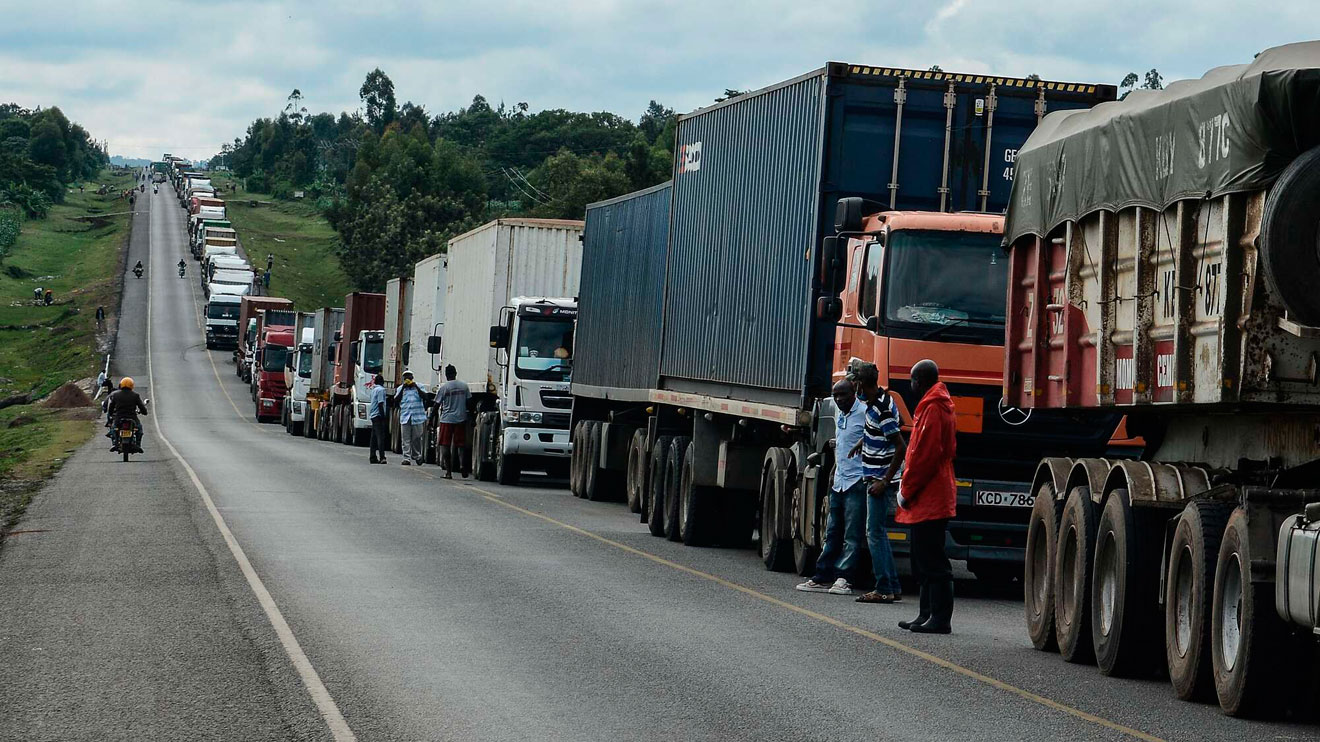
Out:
{"x": 68, "y": 396}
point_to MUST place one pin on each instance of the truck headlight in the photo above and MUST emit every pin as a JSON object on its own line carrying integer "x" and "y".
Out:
{"x": 529, "y": 417}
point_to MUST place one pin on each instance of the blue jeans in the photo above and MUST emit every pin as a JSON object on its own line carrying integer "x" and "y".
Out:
{"x": 844, "y": 530}
{"x": 877, "y": 539}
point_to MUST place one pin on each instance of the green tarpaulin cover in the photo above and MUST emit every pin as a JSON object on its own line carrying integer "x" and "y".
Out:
{"x": 1235, "y": 129}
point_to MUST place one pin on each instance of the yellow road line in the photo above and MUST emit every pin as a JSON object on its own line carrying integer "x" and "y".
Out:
{"x": 886, "y": 641}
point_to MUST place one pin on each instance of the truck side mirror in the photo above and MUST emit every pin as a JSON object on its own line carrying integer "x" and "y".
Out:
{"x": 433, "y": 345}
{"x": 288, "y": 362}
{"x": 338, "y": 336}
{"x": 829, "y": 308}
{"x": 848, "y": 215}
{"x": 499, "y": 336}
{"x": 354, "y": 348}
{"x": 407, "y": 348}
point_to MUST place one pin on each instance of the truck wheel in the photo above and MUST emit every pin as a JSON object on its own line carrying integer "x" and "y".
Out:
{"x": 396, "y": 438}
{"x": 507, "y": 467}
{"x": 636, "y": 478}
{"x": 1038, "y": 570}
{"x": 575, "y": 460}
{"x": 776, "y": 552}
{"x": 673, "y": 484}
{"x": 1188, "y": 599}
{"x": 694, "y": 505}
{"x": 1124, "y": 590}
{"x": 1248, "y": 640}
{"x": 1073, "y": 567}
{"x": 655, "y": 508}
{"x": 1289, "y": 233}
{"x": 486, "y": 428}
{"x": 597, "y": 479}
{"x": 347, "y": 436}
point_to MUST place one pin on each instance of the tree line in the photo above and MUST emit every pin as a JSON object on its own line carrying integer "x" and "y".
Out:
{"x": 397, "y": 182}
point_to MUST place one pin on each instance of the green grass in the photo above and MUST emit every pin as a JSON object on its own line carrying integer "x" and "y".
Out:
{"x": 306, "y": 267}
{"x": 33, "y": 449}
{"x": 43, "y": 347}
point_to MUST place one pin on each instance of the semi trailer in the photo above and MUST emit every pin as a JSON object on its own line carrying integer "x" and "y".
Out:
{"x": 1162, "y": 262}
{"x": 275, "y": 339}
{"x": 359, "y": 353}
{"x": 298, "y": 373}
{"x": 327, "y": 324}
{"x": 709, "y": 345}
{"x": 247, "y": 328}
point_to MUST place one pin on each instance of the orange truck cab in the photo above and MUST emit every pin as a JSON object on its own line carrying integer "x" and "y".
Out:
{"x": 934, "y": 285}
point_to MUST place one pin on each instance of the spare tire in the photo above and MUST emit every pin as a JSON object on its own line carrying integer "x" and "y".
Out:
{"x": 1290, "y": 237}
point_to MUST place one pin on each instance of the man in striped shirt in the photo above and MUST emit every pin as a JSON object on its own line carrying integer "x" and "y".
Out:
{"x": 882, "y": 450}
{"x": 412, "y": 419}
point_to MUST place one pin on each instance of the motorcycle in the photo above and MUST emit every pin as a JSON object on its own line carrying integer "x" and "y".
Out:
{"x": 181, "y": 271}
{"x": 125, "y": 436}
{"x": 137, "y": 272}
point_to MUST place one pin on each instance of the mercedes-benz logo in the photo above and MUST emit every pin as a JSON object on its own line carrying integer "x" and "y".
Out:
{"x": 1012, "y": 415}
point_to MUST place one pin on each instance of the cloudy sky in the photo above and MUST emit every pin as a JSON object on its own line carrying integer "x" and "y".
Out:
{"x": 182, "y": 77}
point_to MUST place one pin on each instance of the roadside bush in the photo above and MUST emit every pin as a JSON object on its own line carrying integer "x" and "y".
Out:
{"x": 33, "y": 202}
{"x": 257, "y": 182}
{"x": 282, "y": 190}
{"x": 11, "y": 223}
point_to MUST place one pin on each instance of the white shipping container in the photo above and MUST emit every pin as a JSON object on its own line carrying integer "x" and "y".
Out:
{"x": 428, "y": 318}
{"x": 491, "y": 265}
{"x": 398, "y": 299}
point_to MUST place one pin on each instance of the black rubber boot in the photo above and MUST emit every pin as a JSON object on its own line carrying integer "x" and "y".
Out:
{"x": 923, "y": 610}
{"x": 941, "y": 602}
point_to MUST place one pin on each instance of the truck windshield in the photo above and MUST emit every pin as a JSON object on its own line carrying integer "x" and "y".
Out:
{"x": 945, "y": 284}
{"x": 372, "y": 355}
{"x": 274, "y": 357}
{"x": 545, "y": 349}
{"x": 305, "y": 363}
{"x": 221, "y": 311}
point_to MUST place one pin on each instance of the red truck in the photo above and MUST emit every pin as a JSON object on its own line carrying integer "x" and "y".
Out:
{"x": 274, "y": 339}
{"x": 359, "y": 355}
{"x": 247, "y": 330}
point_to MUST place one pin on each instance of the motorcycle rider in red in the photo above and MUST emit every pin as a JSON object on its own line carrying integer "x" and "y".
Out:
{"x": 125, "y": 403}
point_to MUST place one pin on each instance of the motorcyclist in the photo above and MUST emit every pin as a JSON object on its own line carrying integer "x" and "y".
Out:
{"x": 182, "y": 267}
{"x": 137, "y": 269}
{"x": 125, "y": 403}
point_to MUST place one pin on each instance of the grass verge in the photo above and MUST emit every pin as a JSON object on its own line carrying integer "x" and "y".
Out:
{"x": 74, "y": 252}
{"x": 306, "y": 269}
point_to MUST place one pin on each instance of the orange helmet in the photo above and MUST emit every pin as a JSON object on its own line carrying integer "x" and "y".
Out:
{"x": 126, "y": 382}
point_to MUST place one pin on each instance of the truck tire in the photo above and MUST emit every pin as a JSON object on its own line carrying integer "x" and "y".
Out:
{"x": 1072, "y": 571}
{"x": 805, "y": 555}
{"x": 1249, "y": 642}
{"x": 1288, "y": 236}
{"x": 1125, "y": 615}
{"x": 508, "y": 468}
{"x": 776, "y": 552}
{"x": 695, "y": 504}
{"x": 396, "y": 437}
{"x": 346, "y": 425}
{"x": 575, "y": 460}
{"x": 656, "y": 492}
{"x": 673, "y": 484}
{"x": 1189, "y": 598}
{"x": 1038, "y": 573}
{"x": 482, "y": 466}
{"x": 636, "y": 477}
{"x": 595, "y": 487}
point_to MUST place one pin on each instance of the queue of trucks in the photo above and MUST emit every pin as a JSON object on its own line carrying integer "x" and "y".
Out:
{"x": 1119, "y": 295}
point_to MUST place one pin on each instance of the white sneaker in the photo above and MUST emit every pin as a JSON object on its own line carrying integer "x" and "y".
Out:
{"x": 811, "y": 586}
{"x": 841, "y": 587}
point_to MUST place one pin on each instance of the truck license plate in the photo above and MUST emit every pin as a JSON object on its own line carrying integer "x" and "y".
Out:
{"x": 1003, "y": 499}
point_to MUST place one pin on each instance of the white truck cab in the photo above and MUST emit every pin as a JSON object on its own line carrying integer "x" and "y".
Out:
{"x": 369, "y": 354}
{"x": 222, "y": 320}
{"x": 298, "y": 374}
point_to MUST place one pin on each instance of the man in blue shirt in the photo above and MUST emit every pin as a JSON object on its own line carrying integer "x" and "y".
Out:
{"x": 882, "y": 449}
{"x": 412, "y": 419}
{"x": 846, "y": 521}
{"x": 378, "y": 414}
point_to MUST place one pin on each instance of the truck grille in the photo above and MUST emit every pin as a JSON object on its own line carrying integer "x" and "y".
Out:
{"x": 555, "y": 419}
{"x": 557, "y": 400}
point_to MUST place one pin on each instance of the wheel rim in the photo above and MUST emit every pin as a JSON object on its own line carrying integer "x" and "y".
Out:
{"x": 1107, "y": 573}
{"x": 1039, "y": 569}
{"x": 1230, "y": 612}
{"x": 1182, "y": 604}
{"x": 1067, "y": 602}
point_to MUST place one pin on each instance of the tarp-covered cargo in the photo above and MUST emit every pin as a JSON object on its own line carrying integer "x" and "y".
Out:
{"x": 1231, "y": 131}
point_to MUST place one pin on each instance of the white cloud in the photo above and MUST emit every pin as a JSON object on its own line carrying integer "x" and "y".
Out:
{"x": 186, "y": 77}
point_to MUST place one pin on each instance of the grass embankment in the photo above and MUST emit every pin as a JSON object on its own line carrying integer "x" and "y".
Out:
{"x": 306, "y": 268}
{"x": 43, "y": 347}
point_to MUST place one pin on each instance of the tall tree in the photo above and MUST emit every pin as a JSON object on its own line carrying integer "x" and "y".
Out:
{"x": 377, "y": 93}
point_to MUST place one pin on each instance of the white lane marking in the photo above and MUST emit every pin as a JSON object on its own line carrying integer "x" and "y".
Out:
{"x": 320, "y": 695}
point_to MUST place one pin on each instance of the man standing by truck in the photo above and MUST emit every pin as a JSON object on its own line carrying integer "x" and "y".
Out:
{"x": 378, "y": 414}
{"x": 451, "y": 399}
{"x": 845, "y": 524}
{"x": 928, "y": 498}
{"x": 882, "y": 450}
{"x": 412, "y": 419}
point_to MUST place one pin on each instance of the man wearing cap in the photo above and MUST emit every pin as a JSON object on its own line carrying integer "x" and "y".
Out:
{"x": 412, "y": 419}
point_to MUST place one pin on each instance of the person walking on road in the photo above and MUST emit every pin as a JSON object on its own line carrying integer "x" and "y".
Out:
{"x": 846, "y": 521}
{"x": 378, "y": 414}
{"x": 882, "y": 450}
{"x": 451, "y": 399}
{"x": 928, "y": 498}
{"x": 412, "y": 419}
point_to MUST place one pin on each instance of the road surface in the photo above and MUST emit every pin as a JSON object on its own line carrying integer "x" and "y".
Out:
{"x": 237, "y": 583}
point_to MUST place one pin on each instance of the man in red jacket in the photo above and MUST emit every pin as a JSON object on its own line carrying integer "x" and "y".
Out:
{"x": 928, "y": 498}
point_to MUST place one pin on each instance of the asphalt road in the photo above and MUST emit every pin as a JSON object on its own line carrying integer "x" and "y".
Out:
{"x": 438, "y": 610}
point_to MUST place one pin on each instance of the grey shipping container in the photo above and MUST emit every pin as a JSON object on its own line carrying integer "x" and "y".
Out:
{"x": 617, "y": 341}
{"x": 756, "y": 179}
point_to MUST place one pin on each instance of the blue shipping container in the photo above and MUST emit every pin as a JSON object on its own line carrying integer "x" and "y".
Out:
{"x": 756, "y": 179}
{"x": 617, "y": 341}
